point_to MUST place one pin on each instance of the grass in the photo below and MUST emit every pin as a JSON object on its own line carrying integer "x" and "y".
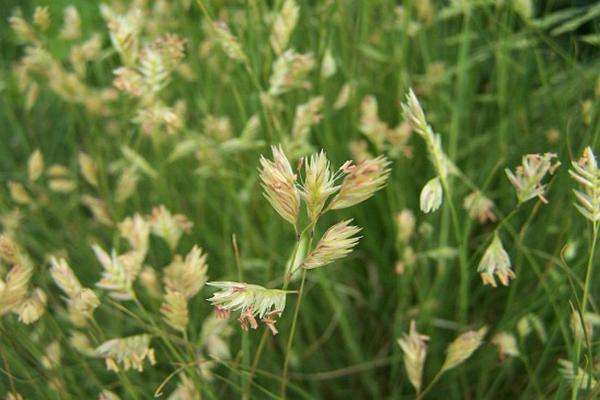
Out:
{"x": 495, "y": 83}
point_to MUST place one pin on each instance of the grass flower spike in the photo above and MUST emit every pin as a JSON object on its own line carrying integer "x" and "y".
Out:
{"x": 495, "y": 261}
{"x": 319, "y": 184}
{"x": 279, "y": 185}
{"x": 576, "y": 376}
{"x": 414, "y": 347}
{"x": 527, "y": 178}
{"x": 361, "y": 182}
{"x": 129, "y": 351}
{"x": 463, "y": 347}
{"x": 587, "y": 174}
{"x": 336, "y": 243}
{"x": 251, "y": 300}
{"x": 174, "y": 310}
{"x": 431, "y": 196}
{"x": 507, "y": 344}
{"x": 187, "y": 276}
{"x": 479, "y": 207}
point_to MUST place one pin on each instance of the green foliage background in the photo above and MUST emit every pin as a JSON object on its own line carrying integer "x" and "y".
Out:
{"x": 506, "y": 81}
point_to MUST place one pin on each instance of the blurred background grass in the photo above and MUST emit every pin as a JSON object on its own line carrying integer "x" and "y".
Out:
{"x": 495, "y": 82}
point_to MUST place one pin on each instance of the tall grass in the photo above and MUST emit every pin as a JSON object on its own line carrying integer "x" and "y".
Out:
{"x": 133, "y": 190}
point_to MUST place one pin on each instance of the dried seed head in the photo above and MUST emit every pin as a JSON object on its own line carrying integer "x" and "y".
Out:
{"x": 284, "y": 25}
{"x": 279, "y": 185}
{"x": 336, "y": 243}
{"x": 586, "y": 172}
{"x": 168, "y": 226}
{"x": 41, "y": 18}
{"x": 136, "y": 230}
{"x": 290, "y": 71}
{"x": 187, "y": 276}
{"x": 495, "y": 260}
{"x": 64, "y": 277}
{"x": 14, "y": 290}
{"x": 431, "y": 196}
{"x": 577, "y": 376}
{"x": 174, "y": 310}
{"x": 119, "y": 272}
{"x": 507, "y": 344}
{"x": 129, "y": 351}
{"x": 229, "y": 43}
{"x": 479, "y": 207}
{"x": 414, "y": 347}
{"x": 35, "y": 165}
{"x": 33, "y": 307}
{"x": 71, "y": 28}
{"x": 361, "y": 182}
{"x": 251, "y": 300}
{"x": 583, "y": 330}
{"x": 88, "y": 169}
{"x": 462, "y": 347}
{"x": 18, "y": 193}
{"x": 319, "y": 184}
{"x": 527, "y": 178}
{"x": 405, "y": 224}
{"x": 531, "y": 322}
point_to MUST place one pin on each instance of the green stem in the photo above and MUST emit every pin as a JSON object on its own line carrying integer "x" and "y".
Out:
{"x": 291, "y": 337}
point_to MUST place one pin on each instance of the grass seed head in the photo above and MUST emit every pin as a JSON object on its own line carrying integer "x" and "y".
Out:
{"x": 319, "y": 184}
{"x": 129, "y": 352}
{"x": 463, "y": 347}
{"x": 414, "y": 347}
{"x": 587, "y": 174}
{"x": 174, "y": 310}
{"x": 187, "y": 276}
{"x": 507, "y": 344}
{"x": 336, "y": 243}
{"x": 431, "y": 196}
{"x": 495, "y": 261}
{"x": 284, "y": 25}
{"x": 527, "y": 178}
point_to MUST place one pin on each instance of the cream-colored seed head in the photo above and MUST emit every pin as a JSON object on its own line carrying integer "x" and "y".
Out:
{"x": 463, "y": 347}
{"x": 586, "y": 172}
{"x": 495, "y": 261}
{"x": 319, "y": 184}
{"x": 414, "y": 347}
{"x": 507, "y": 344}
{"x": 35, "y": 165}
{"x": 174, "y": 310}
{"x": 284, "y": 25}
{"x": 431, "y": 196}
{"x": 337, "y": 242}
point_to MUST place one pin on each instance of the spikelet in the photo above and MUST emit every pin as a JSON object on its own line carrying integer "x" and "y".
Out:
{"x": 126, "y": 184}
{"x": 108, "y": 395}
{"x": 52, "y": 354}
{"x": 174, "y": 310}
{"x": 136, "y": 230}
{"x": 35, "y": 165}
{"x": 129, "y": 351}
{"x": 186, "y": 390}
{"x": 587, "y": 174}
{"x": 33, "y": 307}
{"x": 214, "y": 334}
{"x": 71, "y": 28}
{"x": 24, "y": 31}
{"x": 370, "y": 124}
{"x": 14, "y": 290}
{"x": 584, "y": 330}
{"x": 462, "y": 347}
{"x": 41, "y": 18}
{"x": 64, "y": 277}
{"x": 98, "y": 208}
{"x": 431, "y": 196}
{"x": 479, "y": 207}
{"x": 124, "y": 32}
{"x": 405, "y": 224}
{"x": 82, "y": 344}
{"x": 344, "y": 96}
{"x": 496, "y": 261}
{"x": 187, "y": 276}
{"x": 578, "y": 377}
{"x": 168, "y": 226}
{"x": 228, "y": 42}
{"x": 319, "y": 184}
{"x": 290, "y": 71}
{"x": 251, "y": 300}
{"x": 284, "y": 25}
{"x": 361, "y": 182}
{"x": 527, "y": 178}
{"x": 279, "y": 185}
{"x": 18, "y": 193}
{"x": 507, "y": 344}
{"x": 529, "y": 323}
{"x": 414, "y": 347}
{"x": 414, "y": 115}
{"x": 119, "y": 272}
{"x": 328, "y": 65}
{"x": 88, "y": 168}
{"x": 336, "y": 243}
{"x": 307, "y": 115}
